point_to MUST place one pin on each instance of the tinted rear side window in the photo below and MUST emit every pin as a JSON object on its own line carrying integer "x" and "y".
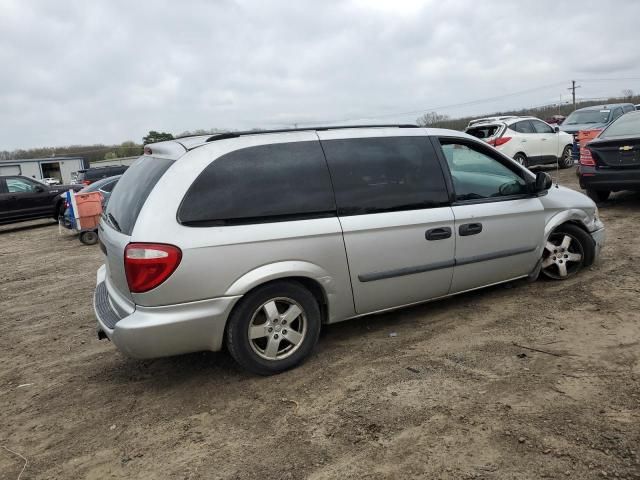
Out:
{"x": 385, "y": 174}
{"x": 523, "y": 127}
{"x": 267, "y": 183}
{"x": 132, "y": 191}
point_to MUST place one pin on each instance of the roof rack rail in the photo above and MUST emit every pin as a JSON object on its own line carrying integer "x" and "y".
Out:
{"x": 223, "y": 136}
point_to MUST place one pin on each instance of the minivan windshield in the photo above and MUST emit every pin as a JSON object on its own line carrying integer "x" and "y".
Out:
{"x": 588, "y": 116}
{"x": 132, "y": 191}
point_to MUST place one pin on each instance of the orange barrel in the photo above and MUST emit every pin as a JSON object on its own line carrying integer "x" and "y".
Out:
{"x": 89, "y": 209}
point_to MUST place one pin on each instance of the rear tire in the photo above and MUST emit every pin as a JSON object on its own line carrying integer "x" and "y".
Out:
{"x": 90, "y": 237}
{"x": 566, "y": 160}
{"x": 522, "y": 159}
{"x": 274, "y": 328}
{"x": 598, "y": 195}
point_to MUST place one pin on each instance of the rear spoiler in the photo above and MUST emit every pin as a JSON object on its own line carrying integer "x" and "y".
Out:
{"x": 170, "y": 149}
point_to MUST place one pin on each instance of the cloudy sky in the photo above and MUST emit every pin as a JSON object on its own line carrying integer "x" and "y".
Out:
{"x": 109, "y": 71}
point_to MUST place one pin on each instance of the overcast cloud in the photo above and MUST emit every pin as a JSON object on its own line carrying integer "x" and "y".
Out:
{"x": 109, "y": 71}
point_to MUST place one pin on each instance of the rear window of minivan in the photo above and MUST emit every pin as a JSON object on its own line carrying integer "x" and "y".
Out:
{"x": 266, "y": 183}
{"x": 132, "y": 191}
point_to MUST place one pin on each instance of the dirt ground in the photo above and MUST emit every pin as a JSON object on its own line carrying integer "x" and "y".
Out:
{"x": 449, "y": 396}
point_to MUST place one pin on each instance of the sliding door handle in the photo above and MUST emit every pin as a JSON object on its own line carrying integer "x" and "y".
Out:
{"x": 438, "y": 233}
{"x": 470, "y": 229}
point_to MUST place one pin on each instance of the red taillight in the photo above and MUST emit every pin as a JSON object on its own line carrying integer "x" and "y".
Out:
{"x": 496, "y": 142}
{"x": 147, "y": 151}
{"x": 86, "y": 182}
{"x": 585, "y": 157}
{"x": 147, "y": 265}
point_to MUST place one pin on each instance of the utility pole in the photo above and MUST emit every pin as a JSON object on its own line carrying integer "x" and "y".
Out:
{"x": 573, "y": 92}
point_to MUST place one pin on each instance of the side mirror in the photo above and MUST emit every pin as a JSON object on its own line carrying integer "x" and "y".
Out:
{"x": 39, "y": 189}
{"x": 556, "y": 129}
{"x": 542, "y": 182}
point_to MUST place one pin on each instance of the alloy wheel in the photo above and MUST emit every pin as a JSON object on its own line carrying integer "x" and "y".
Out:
{"x": 567, "y": 160}
{"x": 277, "y": 328}
{"x": 563, "y": 256}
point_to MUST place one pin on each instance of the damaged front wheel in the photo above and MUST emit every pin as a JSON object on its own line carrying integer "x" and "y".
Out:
{"x": 567, "y": 251}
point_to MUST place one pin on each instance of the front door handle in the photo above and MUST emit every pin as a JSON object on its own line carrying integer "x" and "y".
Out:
{"x": 470, "y": 229}
{"x": 438, "y": 233}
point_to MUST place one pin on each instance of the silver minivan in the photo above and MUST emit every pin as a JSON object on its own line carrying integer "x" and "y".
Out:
{"x": 254, "y": 240}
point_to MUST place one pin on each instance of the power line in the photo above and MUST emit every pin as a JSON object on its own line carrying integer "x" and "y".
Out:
{"x": 441, "y": 107}
{"x": 607, "y": 79}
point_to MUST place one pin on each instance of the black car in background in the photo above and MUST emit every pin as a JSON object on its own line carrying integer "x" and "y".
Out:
{"x": 611, "y": 162}
{"x": 24, "y": 198}
{"x": 90, "y": 175}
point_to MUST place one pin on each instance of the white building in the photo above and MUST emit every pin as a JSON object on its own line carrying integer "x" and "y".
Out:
{"x": 61, "y": 168}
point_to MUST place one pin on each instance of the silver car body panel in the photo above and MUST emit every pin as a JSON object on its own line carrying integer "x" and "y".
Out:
{"x": 508, "y": 246}
{"x": 114, "y": 243}
{"x": 362, "y": 263}
{"x": 390, "y": 260}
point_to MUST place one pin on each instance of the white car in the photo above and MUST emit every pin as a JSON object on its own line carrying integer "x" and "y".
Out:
{"x": 51, "y": 181}
{"x": 528, "y": 140}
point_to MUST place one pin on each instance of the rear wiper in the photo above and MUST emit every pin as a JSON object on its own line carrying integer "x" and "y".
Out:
{"x": 114, "y": 222}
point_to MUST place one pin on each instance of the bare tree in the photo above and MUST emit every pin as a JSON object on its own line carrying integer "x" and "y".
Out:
{"x": 627, "y": 93}
{"x": 432, "y": 118}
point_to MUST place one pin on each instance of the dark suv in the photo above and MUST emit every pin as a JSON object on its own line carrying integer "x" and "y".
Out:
{"x": 24, "y": 198}
{"x": 90, "y": 175}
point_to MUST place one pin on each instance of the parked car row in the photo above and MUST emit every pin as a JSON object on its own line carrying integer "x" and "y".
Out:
{"x": 254, "y": 240}
{"x": 609, "y": 162}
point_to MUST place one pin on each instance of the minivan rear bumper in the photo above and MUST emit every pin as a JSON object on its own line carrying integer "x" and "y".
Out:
{"x": 150, "y": 332}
